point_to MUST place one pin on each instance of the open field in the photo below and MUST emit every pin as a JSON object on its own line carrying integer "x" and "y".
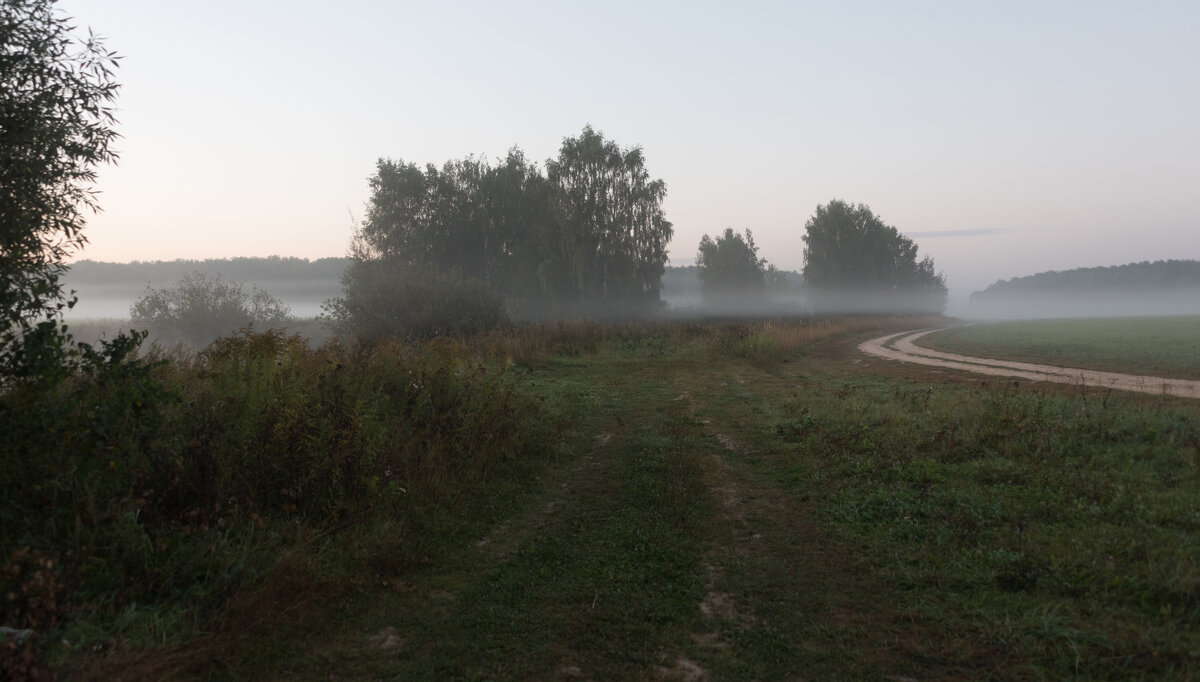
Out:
{"x": 1158, "y": 346}
{"x": 737, "y": 501}
{"x": 902, "y": 347}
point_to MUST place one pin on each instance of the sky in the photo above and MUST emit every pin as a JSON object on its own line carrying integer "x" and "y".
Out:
{"x": 1005, "y": 138}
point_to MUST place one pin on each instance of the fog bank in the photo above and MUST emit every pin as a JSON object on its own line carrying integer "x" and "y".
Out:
{"x": 1078, "y": 304}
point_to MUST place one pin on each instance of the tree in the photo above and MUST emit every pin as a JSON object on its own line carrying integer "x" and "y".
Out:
{"x": 730, "y": 269}
{"x": 201, "y": 309}
{"x": 855, "y": 262}
{"x": 485, "y": 222}
{"x": 440, "y": 247}
{"x": 56, "y": 127}
{"x": 614, "y": 240}
{"x": 590, "y": 230}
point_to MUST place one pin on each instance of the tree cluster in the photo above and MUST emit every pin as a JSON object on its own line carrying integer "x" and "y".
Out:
{"x": 854, "y": 262}
{"x": 730, "y": 270}
{"x": 588, "y": 231}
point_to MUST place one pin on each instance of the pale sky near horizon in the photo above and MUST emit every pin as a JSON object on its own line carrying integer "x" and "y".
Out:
{"x": 1006, "y": 138}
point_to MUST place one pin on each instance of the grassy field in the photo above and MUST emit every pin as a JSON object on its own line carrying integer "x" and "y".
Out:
{"x": 728, "y": 501}
{"x": 1157, "y": 346}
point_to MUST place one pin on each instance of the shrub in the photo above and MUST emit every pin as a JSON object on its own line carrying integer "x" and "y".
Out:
{"x": 140, "y": 481}
{"x": 199, "y": 309}
{"x": 384, "y": 298}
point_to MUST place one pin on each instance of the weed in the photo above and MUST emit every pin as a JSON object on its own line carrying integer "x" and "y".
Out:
{"x": 172, "y": 485}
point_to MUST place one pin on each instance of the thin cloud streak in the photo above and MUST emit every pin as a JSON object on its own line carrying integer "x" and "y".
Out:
{"x": 959, "y": 233}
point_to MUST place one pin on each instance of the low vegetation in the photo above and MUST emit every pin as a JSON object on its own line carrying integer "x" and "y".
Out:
{"x": 141, "y": 494}
{"x": 1155, "y": 346}
{"x": 383, "y": 298}
{"x": 608, "y": 501}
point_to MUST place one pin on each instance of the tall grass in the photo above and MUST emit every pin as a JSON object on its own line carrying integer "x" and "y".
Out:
{"x": 167, "y": 484}
{"x": 776, "y": 340}
{"x": 761, "y": 340}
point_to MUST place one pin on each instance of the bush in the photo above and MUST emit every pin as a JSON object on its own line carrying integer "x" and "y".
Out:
{"x": 199, "y": 309}
{"x": 135, "y": 481}
{"x": 384, "y": 298}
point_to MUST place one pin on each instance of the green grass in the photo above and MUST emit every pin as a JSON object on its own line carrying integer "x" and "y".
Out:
{"x": 145, "y": 500}
{"x": 1052, "y": 536}
{"x": 740, "y": 499}
{"x": 1157, "y": 346}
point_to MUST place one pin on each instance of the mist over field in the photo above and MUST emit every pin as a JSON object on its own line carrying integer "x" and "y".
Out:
{"x": 1072, "y": 305}
{"x": 1170, "y": 287}
{"x": 110, "y": 297}
{"x": 108, "y": 290}
{"x": 112, "y": 302}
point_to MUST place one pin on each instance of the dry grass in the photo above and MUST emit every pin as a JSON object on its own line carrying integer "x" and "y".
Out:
{"x": 757, "y": 339}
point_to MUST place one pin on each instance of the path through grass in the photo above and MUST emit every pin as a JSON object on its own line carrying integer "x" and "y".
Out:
{"x": 727, "y": 508}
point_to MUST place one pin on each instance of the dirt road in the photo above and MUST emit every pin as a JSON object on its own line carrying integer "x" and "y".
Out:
{"x": 902, "y": 347}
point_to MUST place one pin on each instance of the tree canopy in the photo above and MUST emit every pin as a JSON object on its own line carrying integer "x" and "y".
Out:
{"x": 615, "y": 234}
{"x": 56, "y": 126}
{"x": 729, "y": 268}
{"x": 853, "y": 261}
{"x": 589, "y": 231}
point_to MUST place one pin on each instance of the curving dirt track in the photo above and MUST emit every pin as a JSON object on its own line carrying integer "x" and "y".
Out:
{"x": 902, "y": 347}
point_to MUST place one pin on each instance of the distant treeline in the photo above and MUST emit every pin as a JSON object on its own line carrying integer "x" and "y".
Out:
{"x": 161, "y": 273}
{"x": 107, "y": 290}
{"x": 1159, "y": 287}
{"x": 1163, "y": 274}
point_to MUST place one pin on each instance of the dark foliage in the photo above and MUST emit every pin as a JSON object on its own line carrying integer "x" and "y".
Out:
{"x": 138, "y": 481}
{"x": 389, "y": 298}
{"x": 590, "y": 232}
{"x": 56, "y": 127}
{"x": 855, "y": 262}
{"x": 730, "y": 269}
